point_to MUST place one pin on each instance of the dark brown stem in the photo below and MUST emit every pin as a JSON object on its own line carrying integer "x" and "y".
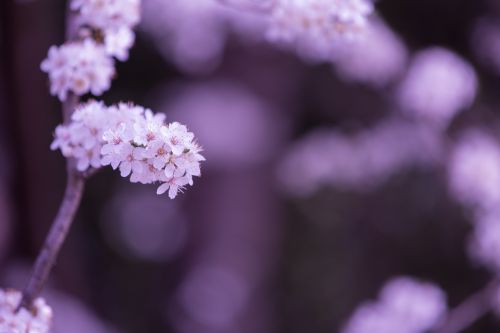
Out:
{"x": 470, "y": 310}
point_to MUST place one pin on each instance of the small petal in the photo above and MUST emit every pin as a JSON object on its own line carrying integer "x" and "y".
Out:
{"x": 125, "y": 169}
{"x": 162, "y": 188}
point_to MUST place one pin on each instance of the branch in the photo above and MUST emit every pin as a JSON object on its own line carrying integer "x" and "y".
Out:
{"x": 59, "y": 230}
{"x": 470, "y": 310}
{"x": 71, "y": 201}
{"x": 57, "y": 234}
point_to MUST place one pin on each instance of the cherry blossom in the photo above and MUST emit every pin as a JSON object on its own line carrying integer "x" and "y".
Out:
{"x": 78, "y": 67}
{"x": 39, "y": 320}
{"x": 135, "y": 141}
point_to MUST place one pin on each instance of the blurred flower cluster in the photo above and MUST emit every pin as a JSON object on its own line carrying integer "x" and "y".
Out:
{"x": 315, "y": 29}
{"x": 425, "y": 90}
{"x": 437, "y": 86}
{"x": 317, "y": 25}
{"x": 405, "y": 305}
{"x": 360, "y": 161}
{"x": 474, "y": 178}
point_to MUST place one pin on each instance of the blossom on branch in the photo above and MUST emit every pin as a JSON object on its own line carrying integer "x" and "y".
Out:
{"x": 112, "y": 21}
{"x": 318, "y": 24}
{"x": 79, "y": 67}
{"x": 108, "y": 14}
{"x": 134, "y": 140}
{"x": 38, "y": 320}
{"x": 118, "y": 43}
{"x": 86, "y": 64}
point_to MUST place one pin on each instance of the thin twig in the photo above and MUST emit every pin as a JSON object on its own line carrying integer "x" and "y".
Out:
{"x": 470, "y": 310}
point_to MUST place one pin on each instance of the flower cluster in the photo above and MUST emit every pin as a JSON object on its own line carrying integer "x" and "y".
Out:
{"x": 112, "y": 20}
{"x": 474, "y": 171}
{"x": 79, "y": 67}
{"x": 86, "y": 64}
{"x": 39, "y": 320}
{"x": 133, "y": 140}
{"x": 474, "y": 180}
{"x": 318, "y": 23}
{"x": 405, "y": 305}
{"x": 82, "y": 138}
{"x": 361, "y": 161}
{"x": 108, "y": 14}
{"x": 484, "y": 246}
{"x": 378, "y": 57}
{"x": 177, "y": 25}
{"x": 438, "y": 85}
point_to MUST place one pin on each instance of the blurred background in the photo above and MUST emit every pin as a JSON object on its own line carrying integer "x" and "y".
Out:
{"x": 326, "y": 175}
